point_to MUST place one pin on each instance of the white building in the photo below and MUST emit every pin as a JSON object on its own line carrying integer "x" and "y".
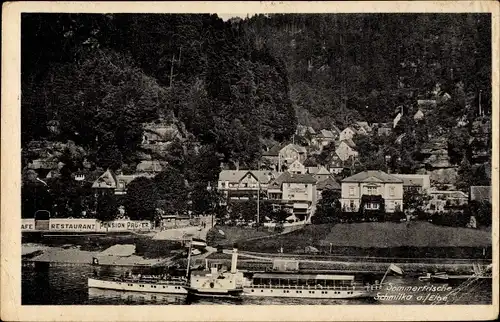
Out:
{"x": 372, "y": 183}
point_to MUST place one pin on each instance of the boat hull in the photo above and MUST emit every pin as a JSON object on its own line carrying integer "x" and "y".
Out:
{"x": 211, "y": 292}
{"x": 130, "y": 286}
{"x": 306, "y": 293}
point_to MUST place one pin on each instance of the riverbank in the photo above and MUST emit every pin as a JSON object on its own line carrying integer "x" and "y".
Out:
{"x": 340, "y": 264}
{"x": 71, "y": 254}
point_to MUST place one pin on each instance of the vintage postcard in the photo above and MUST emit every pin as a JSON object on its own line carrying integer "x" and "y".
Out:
{"x": 244, "y": 161}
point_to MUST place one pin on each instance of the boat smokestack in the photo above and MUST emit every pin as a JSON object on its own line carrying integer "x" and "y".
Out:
{"x": 234, "y": 260}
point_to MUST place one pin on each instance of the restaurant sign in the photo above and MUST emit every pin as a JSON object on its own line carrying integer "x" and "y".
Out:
{"x": 79, "y": 225}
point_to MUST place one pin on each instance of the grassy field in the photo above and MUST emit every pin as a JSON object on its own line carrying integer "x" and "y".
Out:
{"x": 416, "y": 234}
{"x": 419, "y": 239}
{"x": 234, "y": 235}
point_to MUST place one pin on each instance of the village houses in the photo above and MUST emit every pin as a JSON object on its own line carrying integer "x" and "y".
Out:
{"x": 289, "y": 154}
{"x": 372, "y": 183}
{"x": 347, "y": 134}
{"x": 243, "y": 184}
{"x": 346, "y": 149}
{"x": 323, "y": 138}
{"x": 115, "y": 183}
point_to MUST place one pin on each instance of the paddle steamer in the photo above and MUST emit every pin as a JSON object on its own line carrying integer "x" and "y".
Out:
{"x": 151, "y": 284}
{"x": 321, "y": 286}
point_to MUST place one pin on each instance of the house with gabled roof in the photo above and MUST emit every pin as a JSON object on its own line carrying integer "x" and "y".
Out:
{"x": 157, "y": 133}
{"x": 272, "y": 155}
{"x": 243, "y": 184}
{"x": 289, "y": 153}
{"x": 116, "y": 184}
{"x": 321, "y": 174}
{"x": 323, "y": 138}
{"x": 297, "y": 167}
{"x": 372, "y": 190}
{"x": 347, "y": 134}
{"x": 418, "y": 116}
{"x": 362, "y": 128}
{"x": 346, "y": 149}
{"x": 334, "y": 164}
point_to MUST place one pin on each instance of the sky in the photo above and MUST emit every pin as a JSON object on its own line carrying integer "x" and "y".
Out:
{"x": 227, "y": 16}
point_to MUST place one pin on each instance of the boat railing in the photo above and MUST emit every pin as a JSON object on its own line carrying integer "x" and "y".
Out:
{"x": 320, "y": 287}
{"x": 148, "y": 281}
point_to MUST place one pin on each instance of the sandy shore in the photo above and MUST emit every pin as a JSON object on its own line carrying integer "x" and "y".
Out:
{"x": 74, "y": 255}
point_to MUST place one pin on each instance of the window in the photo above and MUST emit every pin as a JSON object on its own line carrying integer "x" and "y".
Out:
{"x": 351, "y": 204}
{"x": 351, "y": 191}
{"x": 392, "y": 191}
{"x": 372, "y": 191}
{"x": 223, "y": 184}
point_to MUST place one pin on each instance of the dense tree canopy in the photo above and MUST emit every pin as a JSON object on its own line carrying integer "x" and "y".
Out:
{"x": 95, "y": 79}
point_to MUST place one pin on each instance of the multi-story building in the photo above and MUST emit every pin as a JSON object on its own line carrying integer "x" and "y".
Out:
{"x": 243, "y": 184}
{"x": 289, "y": 154}
{"x": 294, "y": 192}
{"x": 372, "y": 183}
{"x": 415, "y": 182}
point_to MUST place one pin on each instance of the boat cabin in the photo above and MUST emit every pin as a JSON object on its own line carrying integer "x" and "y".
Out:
{"x": 304, "y": 280}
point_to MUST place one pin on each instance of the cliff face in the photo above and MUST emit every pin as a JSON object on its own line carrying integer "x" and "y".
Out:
{"x": 436, "y": 162}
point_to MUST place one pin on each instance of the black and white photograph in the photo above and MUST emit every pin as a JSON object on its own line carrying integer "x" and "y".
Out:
{"x": 242, "y": 158}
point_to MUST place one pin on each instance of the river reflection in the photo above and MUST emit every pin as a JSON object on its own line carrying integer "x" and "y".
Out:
{"x": 66, "y": 284}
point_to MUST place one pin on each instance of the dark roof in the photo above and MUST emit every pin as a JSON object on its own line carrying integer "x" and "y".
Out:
{"x": 480, "y": 193}
{"x": 311, "y": 161}
{"x": 288, "y": 177}
{"x": 373, "y": 175}
{"x": 328, "y": 183}
{"x": 273, "y": 151}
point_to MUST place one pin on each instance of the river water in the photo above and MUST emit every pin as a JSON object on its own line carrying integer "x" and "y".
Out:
{"x": 66, "y": 284}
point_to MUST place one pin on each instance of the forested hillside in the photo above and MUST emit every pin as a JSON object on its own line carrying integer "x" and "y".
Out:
{"x": 344, "y": 66}
{"x": 98, "y": 77}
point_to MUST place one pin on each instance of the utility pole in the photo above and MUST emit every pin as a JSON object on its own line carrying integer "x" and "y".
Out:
{"x": 258, "y": 203}
{"x": 480, "y": 111}
{"x": 172, "y": 69}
